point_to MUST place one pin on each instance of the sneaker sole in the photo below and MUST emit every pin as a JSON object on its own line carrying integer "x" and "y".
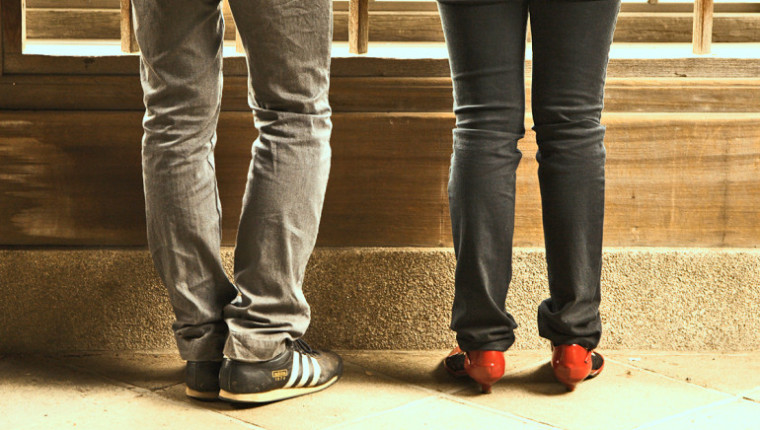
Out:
{"x": 274, "y": 395}
{"x": 201, "y": 395}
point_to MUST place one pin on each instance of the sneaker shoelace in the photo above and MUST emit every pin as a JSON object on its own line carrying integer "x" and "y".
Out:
{"x": 301, "y": 346}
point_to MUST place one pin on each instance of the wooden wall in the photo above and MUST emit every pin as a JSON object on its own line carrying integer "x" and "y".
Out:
{"x": 683, "y": 153}
{"x": 409, "y": 21}
{"x": 73, "y": 178}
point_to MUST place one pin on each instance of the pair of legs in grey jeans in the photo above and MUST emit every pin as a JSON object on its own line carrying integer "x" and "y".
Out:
{"x": 486, "y": 42}
{"x": 288, "y": 51}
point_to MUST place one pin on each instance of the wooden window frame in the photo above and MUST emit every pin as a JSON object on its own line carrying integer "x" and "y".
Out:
{"x": 14, "y": 62}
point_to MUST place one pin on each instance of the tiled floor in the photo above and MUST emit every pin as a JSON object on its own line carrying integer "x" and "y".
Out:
{"x": 390, "y": 390}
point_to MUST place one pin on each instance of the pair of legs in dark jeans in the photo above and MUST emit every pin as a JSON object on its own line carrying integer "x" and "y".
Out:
{"x": 486, "y": 42}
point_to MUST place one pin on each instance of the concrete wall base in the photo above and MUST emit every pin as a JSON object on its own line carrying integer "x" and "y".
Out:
{"x": 384, "y": 298}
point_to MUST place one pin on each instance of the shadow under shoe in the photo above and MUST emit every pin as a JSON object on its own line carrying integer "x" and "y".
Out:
{"x": 202, "y": 379}
{"x": 298, "y": 371}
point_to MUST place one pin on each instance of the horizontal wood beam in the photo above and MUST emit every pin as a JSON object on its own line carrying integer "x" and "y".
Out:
{"x": 372, "y": 94}
{"x": 672, "y": 179}
{"x": 422, "y": 6}
{"x": 408, "y": 26}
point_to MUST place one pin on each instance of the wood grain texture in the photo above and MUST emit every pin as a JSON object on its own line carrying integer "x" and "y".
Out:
{"x": 74, "y": 23}
{"x": 420, "y": 6}
{"x": 394, "y": 26}
{"x": 358, "y": 26}
{"x": 672, "y": 179}
{"x": 370, "y": 94}
{"x": 127, "y": 29}
{"x": 14, "y": 26}
{"x": 2, "y": 45}
{"x": 703, "y": 25}
{"x": 73, "y": 4}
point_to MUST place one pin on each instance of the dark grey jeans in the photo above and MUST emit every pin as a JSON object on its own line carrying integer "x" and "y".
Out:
{"x": 486, "y": 43}
{"x": 287, "y": 46}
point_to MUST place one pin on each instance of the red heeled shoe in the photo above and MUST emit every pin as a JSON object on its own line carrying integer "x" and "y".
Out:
{"x": 574, "y": 363}
{"x": 485, "y": 367}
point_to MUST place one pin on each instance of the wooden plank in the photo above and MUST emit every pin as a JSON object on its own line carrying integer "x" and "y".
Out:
{"x": 666, "y": 7}
{"x": 672, "y": 179}
{"x": 703, "y": 24}
{"x": 406, "y": 26}
{"x": 2, "y": 56}
{"x": 678, "y": 27}
{"x": 419, "y": 6}
{"x": 14, "y": 26}
{"x": 73, "y": 4}
{"x": 128, "y": 40}
{"x": 371, "y": 94}
{"x": 358, "y": 26}
{"x": 74, "y": 24}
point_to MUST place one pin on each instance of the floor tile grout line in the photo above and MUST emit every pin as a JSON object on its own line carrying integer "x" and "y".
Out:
{"x": 451, "y": 397}
{"x": 745, "y": 393}
{"x": 687, "y": 412}
{"x": 643, "y": 369}
{"x": 148, "y": 392}
{"x": 512, "y": 415}
{"x": 381, "y": 413}
{"x": 666, "y": 353}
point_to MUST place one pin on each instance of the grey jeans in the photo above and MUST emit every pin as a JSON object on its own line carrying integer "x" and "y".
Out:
{"x": 287, "y": 46}
{"x": 486, "y": 43}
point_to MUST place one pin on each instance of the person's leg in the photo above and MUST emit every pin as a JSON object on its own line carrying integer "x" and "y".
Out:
{"x": 180, "y": 69}
{"x": 288, "y": 49}
{"x": 486, "y": 44}
{"x": 571, "y": 42}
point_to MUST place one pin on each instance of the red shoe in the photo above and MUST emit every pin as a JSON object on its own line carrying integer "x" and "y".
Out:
{"x": 485, "y": 367}
{"x": 574, "y": 363}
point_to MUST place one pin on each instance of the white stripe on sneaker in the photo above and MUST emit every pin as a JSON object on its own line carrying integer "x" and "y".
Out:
{"x": 305, "y": 371}
{"x": 294, "y": 370}
{"x": 317, "y": 371}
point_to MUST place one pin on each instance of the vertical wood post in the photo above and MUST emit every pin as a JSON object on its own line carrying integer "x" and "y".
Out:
{"x": 702, "y": 29}
{"x": 14, "y": 26}
{"x": 228, "y": 15}
{"x": 2, "y": 44}
{"x": 358, "y": 26}
{"x": 238, "y": 42}
{"x": 23, "y": 26}
{"x": 128, "y": 40}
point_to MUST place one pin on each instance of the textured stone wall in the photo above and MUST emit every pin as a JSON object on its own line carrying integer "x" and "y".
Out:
{"x": 384, "y": 298}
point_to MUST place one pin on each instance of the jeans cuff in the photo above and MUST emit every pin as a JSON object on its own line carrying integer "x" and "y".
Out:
{"x": 249, "y": 350}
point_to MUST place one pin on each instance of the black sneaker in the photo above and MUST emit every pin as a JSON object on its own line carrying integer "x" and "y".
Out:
{"x": 299, "y": 370}
{"x": 202, "y": 379}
